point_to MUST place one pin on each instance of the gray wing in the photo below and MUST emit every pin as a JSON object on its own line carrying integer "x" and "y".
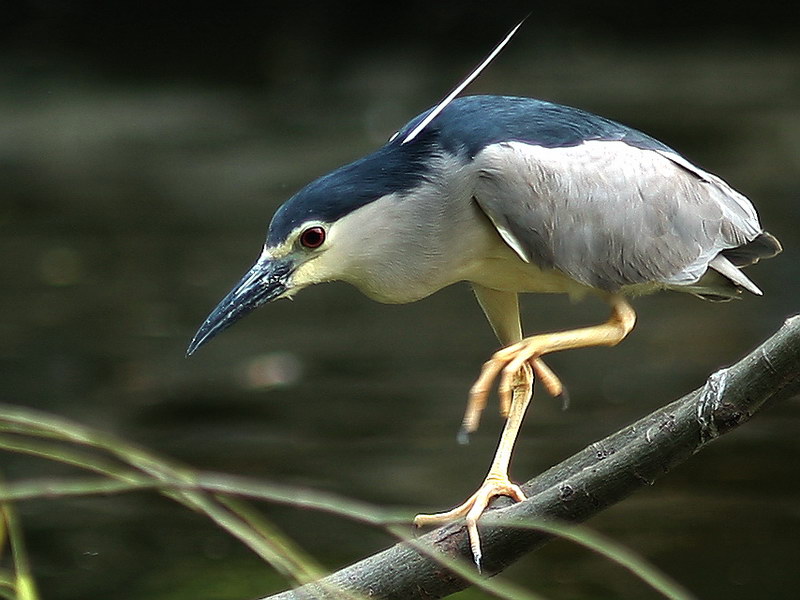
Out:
{"x": 610, "y": 215}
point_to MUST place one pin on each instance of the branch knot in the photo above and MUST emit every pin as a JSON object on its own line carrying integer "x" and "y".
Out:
{"x": 708, "y": 403}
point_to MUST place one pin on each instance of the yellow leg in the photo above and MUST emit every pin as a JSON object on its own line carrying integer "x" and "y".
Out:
{"x": 477, "y": 401}
{"x": 515, "y": 362}
{"x": 497, "y": 482}
{"x": 510, "y": 360}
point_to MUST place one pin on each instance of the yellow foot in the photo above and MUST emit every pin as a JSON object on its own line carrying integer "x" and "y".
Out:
{"x": 513, "y": 364}
{"x": 509, "y": 363}
{"x": 473, "y": 508}
{"x": 522, "y": 380}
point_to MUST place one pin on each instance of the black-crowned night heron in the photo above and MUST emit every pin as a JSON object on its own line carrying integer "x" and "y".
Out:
{"x": 512, "y": 195}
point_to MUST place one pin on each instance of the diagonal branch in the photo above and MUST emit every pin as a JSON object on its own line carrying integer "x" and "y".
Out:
{"x": 597, "y": 477}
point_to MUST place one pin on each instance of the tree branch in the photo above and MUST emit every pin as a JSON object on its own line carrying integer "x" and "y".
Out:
{"x": 597, "y": 477}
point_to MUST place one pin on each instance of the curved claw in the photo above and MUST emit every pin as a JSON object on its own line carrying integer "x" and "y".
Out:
{"x": 473, "y": 508}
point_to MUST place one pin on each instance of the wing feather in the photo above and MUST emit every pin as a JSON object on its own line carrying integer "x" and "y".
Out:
{"x": 611, "y": 215}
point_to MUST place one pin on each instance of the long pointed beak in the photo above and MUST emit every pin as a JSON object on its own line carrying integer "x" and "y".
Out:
{"x": 264, "y": 282}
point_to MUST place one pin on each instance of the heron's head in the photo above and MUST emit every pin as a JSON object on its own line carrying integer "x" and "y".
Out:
{"x": 339, "y": 227}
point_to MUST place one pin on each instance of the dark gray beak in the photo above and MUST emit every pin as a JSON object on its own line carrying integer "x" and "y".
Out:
{"x": 266, "y": 281}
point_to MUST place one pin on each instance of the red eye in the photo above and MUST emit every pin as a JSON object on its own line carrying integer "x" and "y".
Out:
{"x": 313, "y": 237}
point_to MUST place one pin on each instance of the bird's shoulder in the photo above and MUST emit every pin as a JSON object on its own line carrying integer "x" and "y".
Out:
{"x": 471, "y": 123}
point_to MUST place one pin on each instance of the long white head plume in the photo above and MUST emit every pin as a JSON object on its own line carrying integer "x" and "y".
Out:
{"x": 460, "y": 87}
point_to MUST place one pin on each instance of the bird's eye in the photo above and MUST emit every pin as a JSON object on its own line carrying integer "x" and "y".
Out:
{"x": 313, "y": 237}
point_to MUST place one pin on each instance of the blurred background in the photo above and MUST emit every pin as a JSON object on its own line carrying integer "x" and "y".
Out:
{"x": 143, "y": 150}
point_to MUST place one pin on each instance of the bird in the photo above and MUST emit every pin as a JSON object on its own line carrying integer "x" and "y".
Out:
{"x": 513, "y": 195}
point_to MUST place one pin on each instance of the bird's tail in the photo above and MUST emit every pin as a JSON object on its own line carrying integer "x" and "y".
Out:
{"x": 765, "y": 245}
{"x": 723, "y": 280}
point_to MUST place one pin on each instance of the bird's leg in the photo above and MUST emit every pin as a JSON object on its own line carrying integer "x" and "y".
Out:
{"x": 497, "y": 482}
{"x": 516, "y": 362}
{"x": 502, "y": 311}
{"x": 477, "y": 401}
{"x": 508, "y": 361}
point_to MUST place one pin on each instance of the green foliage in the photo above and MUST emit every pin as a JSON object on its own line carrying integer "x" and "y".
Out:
{"x": 16, "y": 583}
{"x": 115, "y": 466}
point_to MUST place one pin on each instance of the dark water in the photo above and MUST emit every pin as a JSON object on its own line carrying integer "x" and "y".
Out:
{"x": 129, "y": 210}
